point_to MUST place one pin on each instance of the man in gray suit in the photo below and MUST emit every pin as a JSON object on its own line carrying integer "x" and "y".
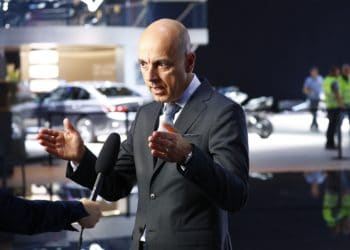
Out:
{"x": 190, "y": 174}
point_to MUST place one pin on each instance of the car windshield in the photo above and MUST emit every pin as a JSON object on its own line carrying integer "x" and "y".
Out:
{"x": 116, "y": 91}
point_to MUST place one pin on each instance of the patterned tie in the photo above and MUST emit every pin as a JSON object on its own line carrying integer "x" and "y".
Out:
{"x": 170, "y": 109}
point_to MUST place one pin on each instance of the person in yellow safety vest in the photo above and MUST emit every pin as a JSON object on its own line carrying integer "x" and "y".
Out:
{"x": 334, "y": 103}
{"x": 344, "y": 86}
{"x": 336, "y": 202}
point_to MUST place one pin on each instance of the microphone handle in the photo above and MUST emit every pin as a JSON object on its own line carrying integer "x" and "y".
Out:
{"x": 94, "y": 192}
{"x": 97, "y": 187}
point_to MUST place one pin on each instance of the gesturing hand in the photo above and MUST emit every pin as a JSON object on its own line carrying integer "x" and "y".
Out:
{"x": 66, "y": 144}
{"x": 170, "y": 145}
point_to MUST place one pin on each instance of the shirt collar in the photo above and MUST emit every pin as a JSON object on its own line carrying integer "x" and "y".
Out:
{"x": 189, "y": 91}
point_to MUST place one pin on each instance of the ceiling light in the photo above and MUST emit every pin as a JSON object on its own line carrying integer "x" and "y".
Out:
{"x": 43, "y": 71}
{"x": 41, "y": 5}
{"x": 43, "y": 56}
{"x": 5, "y": 7}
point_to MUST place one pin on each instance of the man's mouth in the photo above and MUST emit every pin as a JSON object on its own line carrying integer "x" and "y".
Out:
{"x": 158, "y": 90}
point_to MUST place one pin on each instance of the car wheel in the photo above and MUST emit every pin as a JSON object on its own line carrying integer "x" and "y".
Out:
{"x": 86, "y": 129}
{"x": 264, "y": 128}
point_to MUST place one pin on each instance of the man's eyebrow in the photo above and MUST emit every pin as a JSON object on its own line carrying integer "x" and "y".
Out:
{"x": 159, "y": 60}
{"x": 162, "y": 60}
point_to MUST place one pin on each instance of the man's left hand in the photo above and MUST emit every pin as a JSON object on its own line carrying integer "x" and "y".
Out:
{"x": 169, "y": 145}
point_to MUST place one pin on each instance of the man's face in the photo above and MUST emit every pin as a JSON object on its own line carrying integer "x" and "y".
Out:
{"x": 314, "y": 73}
{"x": 346, "y": 70}
{"x": 163, "y": 68}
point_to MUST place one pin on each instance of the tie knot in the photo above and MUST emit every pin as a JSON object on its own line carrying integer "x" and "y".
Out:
{"x": 170, "y": 110}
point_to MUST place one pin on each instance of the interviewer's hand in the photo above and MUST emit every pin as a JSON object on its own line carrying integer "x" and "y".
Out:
{"x": 66, "y": 144}
{"x": 94, "y": 211}
{"x": 170, "y": 145}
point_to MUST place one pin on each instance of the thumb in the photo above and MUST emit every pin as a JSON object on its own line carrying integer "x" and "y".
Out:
{"x": 68, "y": 126}
{"x": 170, "y": 128}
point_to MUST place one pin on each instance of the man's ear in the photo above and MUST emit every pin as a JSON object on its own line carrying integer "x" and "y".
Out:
{"x": 190, "y": 60}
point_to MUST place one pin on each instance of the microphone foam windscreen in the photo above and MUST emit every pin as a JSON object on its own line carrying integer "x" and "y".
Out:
{"x": 108, "y": 154}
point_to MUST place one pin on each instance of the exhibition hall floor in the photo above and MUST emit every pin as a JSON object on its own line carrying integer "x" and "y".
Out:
{"x": 283, "y": 212}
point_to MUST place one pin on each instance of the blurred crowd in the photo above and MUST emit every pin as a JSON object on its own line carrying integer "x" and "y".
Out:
{"x": 335, "y": 87}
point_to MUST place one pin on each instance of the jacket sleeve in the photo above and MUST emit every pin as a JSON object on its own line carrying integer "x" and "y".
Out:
{"x": 222, "y": 172}
{"x": 37, "y": 216}
{"x": 119, "y": 182}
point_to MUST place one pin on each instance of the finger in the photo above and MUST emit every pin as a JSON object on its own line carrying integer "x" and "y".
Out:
{"x": 158, "y": 135}
{"x": 52, "y": 151}
{"x": 159, "y": 154}
{"x": 170, "y": 128}
{"x": 46, "y": 138}
{"x": 157, "y": 146}
{"x": 156, "y": 138}
{"x": 161, "y": 143}
{"x": 44, "y": 143}
{"x": 43, "y": 132}
{"x": 49, "y": 145}
{"x": 68, "y": 126}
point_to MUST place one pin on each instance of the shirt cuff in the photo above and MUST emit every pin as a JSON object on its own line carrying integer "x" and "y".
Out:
{"x": 182, "y": 167}
{"x": 73, "y": 165}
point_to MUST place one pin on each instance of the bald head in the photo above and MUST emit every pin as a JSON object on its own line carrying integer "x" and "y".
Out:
{"x": 165, "y": 59}
{"x": 170, "y": 33}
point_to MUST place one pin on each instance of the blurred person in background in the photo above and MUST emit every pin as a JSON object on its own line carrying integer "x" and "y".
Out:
{"x": 344, "y": 87}
{"x": 315, "y": 179}
{"x": 336, "y": 202}
{"x": 2, "y": 64}
{"x": 334, "y": 103}
{"x": 312, "y": 89}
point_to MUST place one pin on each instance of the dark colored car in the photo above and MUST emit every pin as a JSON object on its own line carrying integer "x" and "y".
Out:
{"x": 95, "y": 108}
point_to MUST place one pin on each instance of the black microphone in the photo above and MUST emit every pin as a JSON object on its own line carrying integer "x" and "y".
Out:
{"x": 105, "y": 162}
{"x": 103, "y": 166}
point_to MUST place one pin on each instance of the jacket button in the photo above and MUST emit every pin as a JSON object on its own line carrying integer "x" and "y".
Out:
{"x": 152, "y": 196}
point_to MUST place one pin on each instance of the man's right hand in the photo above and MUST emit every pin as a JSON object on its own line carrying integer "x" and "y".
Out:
{"x": 66, "y": 144}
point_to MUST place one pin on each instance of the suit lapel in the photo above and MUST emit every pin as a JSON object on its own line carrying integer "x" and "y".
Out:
{"x": 190, "y": 113}
{"x": 194, "y": 108}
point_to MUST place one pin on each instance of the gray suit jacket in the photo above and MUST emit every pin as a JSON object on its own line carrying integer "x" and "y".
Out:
{"x": 182, "y": 210}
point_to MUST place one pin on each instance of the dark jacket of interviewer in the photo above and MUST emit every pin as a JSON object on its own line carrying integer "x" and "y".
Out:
{"x": 23, "y": 216}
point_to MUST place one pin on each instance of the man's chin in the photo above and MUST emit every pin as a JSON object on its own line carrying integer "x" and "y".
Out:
{"x": 158, "y": 98}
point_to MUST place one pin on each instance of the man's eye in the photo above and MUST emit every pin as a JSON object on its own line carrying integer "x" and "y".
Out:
{"x": 143, "y": 64}
{"x": 163, "y": 65}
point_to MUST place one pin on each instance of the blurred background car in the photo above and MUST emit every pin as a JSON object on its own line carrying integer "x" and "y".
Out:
{"x": 95, "y": 108}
